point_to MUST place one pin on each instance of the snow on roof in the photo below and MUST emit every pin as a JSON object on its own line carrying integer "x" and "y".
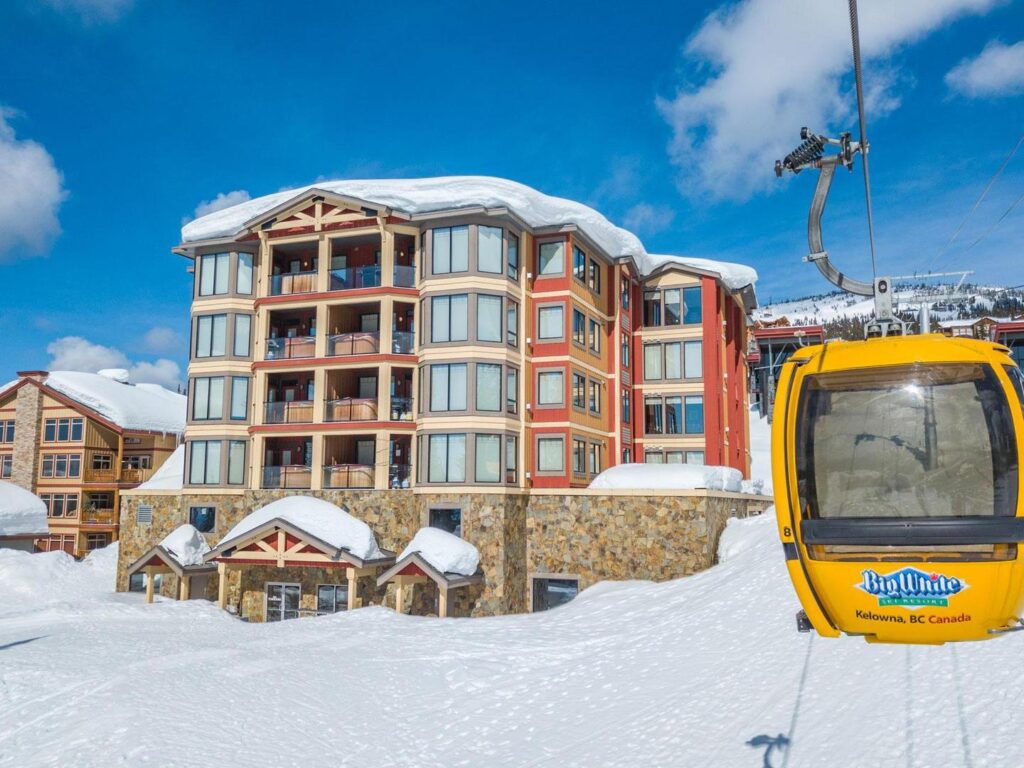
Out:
{"x": 444, "y": 551}
{"x": 649, "y": 477}
{"x": 735, "y": 277}
{"x": 171, "y": 474}
{"x": 331, "y": 524}
{"x": 21, "y": 512}
{"x": 429, "y": 195}
{"x": 142, "y": 407}
{"x": 186, "y": 545}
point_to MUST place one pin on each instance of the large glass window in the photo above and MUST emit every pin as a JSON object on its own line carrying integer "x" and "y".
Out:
{"x": 625, "y": 350}
{"x": 693, "y": 363}
{"x": 488, "y": 318}
{"x": 579, "y": 395}
{"x": 243, "y": 282}
{"x": 243, "y": 328}
{"x": 213, "y": 273}
{"x": 674, "y": 415}
{"x": 56, "y": 430}
{"x": 236, "y": 462}
{"x": 551, "y": 593}
{"x": 652, "y": 308}
{"x": 7, "y": 431}
{"x": 488, "y": 458}
{"x": 208, "y": 398}
{"x": 488, "y": 241}
{"x": 673, "y": 360}
{"x": 448, "y": 387}
{"x": 488, "y": 387}
{"x": 653, "y": 423}
{"x": 594, "y": 400}
{"x": 551, "y": 259}
{"x": 511, "y": 459}
{"x": 451, "y": 250}
{"x": 239, "y": 397}
{"x": 692, "y": 301}
{"x": 512, "y": 390}
{"x": 331, "y": 598}
{"x": 512, "y": 323}
{"x": 594, "y": 458}
{"x": 449, "y": 318}
{"x": 204, "y": 467}
{"x": 694, "y": 414}
{"x": 513, "y": 256}
{"x": 673, "y": 305}
{"x": 447, "y": 461}
{"x": 908, "y": 441}
{"x": 549, "y": 321}
{"x": 211, "y": 335}
{"x": 551, "y": 454}
{"x": 627, "y": 407}
{"x": 579, "y": 327}
{"x": 594, "y": 277}
{"x": 595, "y": 336}
{"x": 579, "y": 456}
{"x": 550, "y": 388}
{"x": 652, "y": 361}
{"x": 579, "y": 264}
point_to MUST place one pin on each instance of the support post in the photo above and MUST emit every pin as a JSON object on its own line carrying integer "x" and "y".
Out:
{"x": 399, "y": 594}
{"x": 222, "y": 585}
{"x": 183, "y": 587}
{"x": 442, "y": 602}
{"x": 149, "y": 585}
{"x": 353, "y": 589}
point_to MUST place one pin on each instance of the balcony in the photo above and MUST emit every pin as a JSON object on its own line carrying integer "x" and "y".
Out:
{"x": 290, "y": 283}
{"x": 293, "y": 348}
{"x": 291, "y": 477}
{"x": 136, "y": 474}
{"x": 404, "y": 277}
{"x": 356, "y": 343}
{"x": 99, "y": 517}
{"x": 355, "y": 277}
{"x": 351, "y": 409}
{"x": 348, "y": 476}
{"x": 100, "y": 475}
{"x": 293, "y": 412}
{"x": 403, "y": 342}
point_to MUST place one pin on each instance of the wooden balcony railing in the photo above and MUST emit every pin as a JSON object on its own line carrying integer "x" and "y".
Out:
{"x": 290, "y": 348}
{"x": 296, "y": 476}
{"x": 358, "y": 343}
{"x": 293, "y": 412}
{"x": 292, "y": 282}
{"x": 98, "y": 517}
{"x": 351, "y": 409}
{"x": 348, "y": 476}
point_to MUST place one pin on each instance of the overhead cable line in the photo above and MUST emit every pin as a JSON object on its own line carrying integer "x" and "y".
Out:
{"x": 855, "y": 34}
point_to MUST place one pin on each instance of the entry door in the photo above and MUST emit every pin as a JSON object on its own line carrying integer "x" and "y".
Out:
{"x": 282, "y": 602}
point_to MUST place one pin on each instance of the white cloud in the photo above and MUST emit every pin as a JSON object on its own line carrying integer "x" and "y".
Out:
{"x": 92, "y": 10}
{"x": 31, "y": 191}
{"x": 764, "y": 68}
{"x": 73, "y": 353}
{"x": 623, "y": 180}
{"x": 997, "y": 71}
{"x": 646, "y": 219}
{"x": 219, "y": 203}
{"x": 162, "y": 340}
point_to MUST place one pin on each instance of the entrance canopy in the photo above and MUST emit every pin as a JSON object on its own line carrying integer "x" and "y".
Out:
{"x": 182, "y": 552}
{"x": 301, "y": 532}
{"x": 438, "y": 556}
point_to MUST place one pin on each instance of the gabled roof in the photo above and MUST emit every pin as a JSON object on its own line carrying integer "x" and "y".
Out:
{"x": 417, "y": 561}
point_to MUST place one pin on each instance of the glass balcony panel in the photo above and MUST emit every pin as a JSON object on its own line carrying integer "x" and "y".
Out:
{"x": 403, "y": 342}
{"x": 293, "y": 412}
{"x": 295, "y": 476}
{"x": 358, "y": 343}
{"x": 399, "y": 476}
{"x": 405, "y": 277}
{"x": 401, "y": 408}
{"x": 291, "y": 348}
{"x": 355, "y": 277}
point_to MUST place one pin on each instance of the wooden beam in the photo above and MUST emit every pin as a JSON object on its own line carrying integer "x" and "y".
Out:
{"x": 222, "y": 585}
{"x": 183, "y": 587}
{"x": 353, "y": 589}
{"x": 280, "y": 549}
{"x": 399, "y": 594}
{"x": 442, "y": 603}
{"x": 149, "y": 584}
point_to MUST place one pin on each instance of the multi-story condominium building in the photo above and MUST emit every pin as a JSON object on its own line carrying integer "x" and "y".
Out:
{"x": 77, "y": 440}
{"x": 451, "y": 332}
{"x": 456, "y": 353}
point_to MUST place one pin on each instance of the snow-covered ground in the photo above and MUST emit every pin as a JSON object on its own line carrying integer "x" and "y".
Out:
{"x": 703, "y": 671}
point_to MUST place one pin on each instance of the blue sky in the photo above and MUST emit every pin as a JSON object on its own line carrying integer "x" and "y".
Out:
{"x": 119, "y": 117}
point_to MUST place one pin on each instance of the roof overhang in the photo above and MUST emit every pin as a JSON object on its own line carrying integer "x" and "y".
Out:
{"x": 415, "y": 560}
{"x": 230, "y": 550}
{"x": 158, "y": 557}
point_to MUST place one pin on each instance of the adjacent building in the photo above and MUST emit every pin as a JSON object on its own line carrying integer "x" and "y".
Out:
{"x": 458, "y": 353}
{"x": 77, "y": 440}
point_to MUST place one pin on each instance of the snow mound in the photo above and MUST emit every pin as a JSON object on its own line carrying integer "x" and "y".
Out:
{"x": 141, "y": 407}
{"x": 21, "y": 512}
{"x": 331, "y": 524}
{"x": 742, "y": 535}
{"x": 734, "y": 276}
{"x": 445, "y": 551}
{"x": 186, "y": 545}
{"x": 32, "y": 581}
{"x": 760, "y": 455}
{"x": 171, "y": 474}
{"x": 429, "y": 195}
{"x": 677, "y": 477}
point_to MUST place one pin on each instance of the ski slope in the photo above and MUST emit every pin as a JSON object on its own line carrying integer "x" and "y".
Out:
{"x": 683, "y": 673}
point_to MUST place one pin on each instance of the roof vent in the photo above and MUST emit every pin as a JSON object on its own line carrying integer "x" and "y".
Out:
{"x": 117, "y": 374}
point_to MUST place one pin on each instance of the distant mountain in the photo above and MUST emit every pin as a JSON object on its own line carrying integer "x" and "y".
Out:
{"x": 843, "y": 314}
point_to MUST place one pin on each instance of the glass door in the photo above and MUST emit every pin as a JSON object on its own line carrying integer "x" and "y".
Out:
{"x": 282, "y": 601}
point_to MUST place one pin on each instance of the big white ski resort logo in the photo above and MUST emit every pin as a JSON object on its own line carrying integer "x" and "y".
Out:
{"x": 911, "y": 587}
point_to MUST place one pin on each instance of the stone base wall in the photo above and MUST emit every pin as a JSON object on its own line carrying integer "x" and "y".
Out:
{"x": 582, "y": 535}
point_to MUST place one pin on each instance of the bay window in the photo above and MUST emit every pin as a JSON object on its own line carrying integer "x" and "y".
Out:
{"x": 488, "y": 458}
{"x": 243, "y": 280}
{"x": 213, "y": 273}
{"x": 242, "y": 342}
{"x": 446, "y": 461}
{"x": 549, "y": 322}
{"x": 550, "y": 388}
{"x": 448, "y": 387}
{"x": 208, "y": 398}
{"x": 450, "y": 250}
{"x": 488, "y": 249}
{"x": 513, "y": 256}
{"x": 449, "y": 318}
{"x": 204, "y": 467}
{"x": 488, "y": 318}
{"x": 551, "y": 258}
{"x": 239, "y": 397}
{"x": 488, "y": 387}
{"x": 211, "y": 335}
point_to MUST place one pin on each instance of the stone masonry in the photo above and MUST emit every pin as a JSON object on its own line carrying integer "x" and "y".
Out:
{"x": 28, "y": 415}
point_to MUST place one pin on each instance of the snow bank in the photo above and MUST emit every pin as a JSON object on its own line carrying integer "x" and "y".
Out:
{"x": 428, "y": 195}
{"x": 171, "y": 474}
{"x": 742, "y": 535}
{"x": 760, "y": 455}
{"x": 21, "y": 512}
{"x": 144, "y": 407}
{"x": 445, "y": 551}
{"x": 186, "y": 545}
{"x": 331, "y": 524}
{"x": 32, "y": 581}
{"x": 678, "y": 477}
{"x": 733, "y": 276}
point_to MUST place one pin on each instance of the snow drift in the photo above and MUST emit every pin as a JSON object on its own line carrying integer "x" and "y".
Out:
{"x": 445, "y": 551}
{"x": 186, "y": 545}
{"x": 21, "y": 512}
{"x": 675, "y": 477}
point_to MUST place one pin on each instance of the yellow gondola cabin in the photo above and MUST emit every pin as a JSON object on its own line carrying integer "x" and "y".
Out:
{"x": 896, "y": 476}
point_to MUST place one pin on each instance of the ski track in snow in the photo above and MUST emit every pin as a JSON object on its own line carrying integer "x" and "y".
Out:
{"x": 683, "y": 673}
